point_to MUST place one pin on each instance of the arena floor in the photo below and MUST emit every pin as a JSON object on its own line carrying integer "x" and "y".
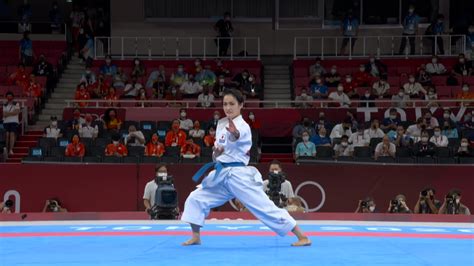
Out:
{"x": 234, "y": 243}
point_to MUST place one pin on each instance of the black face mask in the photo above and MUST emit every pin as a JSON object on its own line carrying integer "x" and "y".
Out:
{"x": 345, "y": 128}
{"x": 306, "y": 124}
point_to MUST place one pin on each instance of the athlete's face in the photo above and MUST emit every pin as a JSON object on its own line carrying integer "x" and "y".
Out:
{"x": 232, "y": 107}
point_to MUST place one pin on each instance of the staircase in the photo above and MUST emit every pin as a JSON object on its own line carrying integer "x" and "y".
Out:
{"x": 23, "y": 145}
{"x": 277, "y": 84}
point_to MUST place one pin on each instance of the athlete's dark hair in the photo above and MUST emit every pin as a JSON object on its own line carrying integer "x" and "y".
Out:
{"x": 236, "y": 93}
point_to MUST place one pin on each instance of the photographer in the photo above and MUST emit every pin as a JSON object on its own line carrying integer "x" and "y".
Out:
{"x": 366, "y": 206}
{"x": 150, "y": 189}
{"x": 398, "y": 205}
{"x": 53, "y": 205}
{"x": 426, "y": 202}
{"x": 277, "y": 186}
{"x": 160, "y": 197}
{"x": 6, "y": 207}
{"x": 452, "y": 204}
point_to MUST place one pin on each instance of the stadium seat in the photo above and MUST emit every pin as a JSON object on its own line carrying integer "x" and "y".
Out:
{"x": 57, "y": 151}
{"x": 91, "y": 159}
{"x": 112, "y": 159}
{"x": 447, "y": 160}
{"x": 385, "y": 159}
{"x": 136, "y": 151}
{"x": 188, "y": 160}
{"x": 53, "y": 159}
{"x": 425, "y": 160}
{"x": 443, "y": 152}
{"x": 466, "y": 160}
{"x": 172, "y": 151}
{"x": 362, "y": 152}
{"x": 131, "y": 159}
{"x": 72, "y": 159}
{"x": 324, "y": 153}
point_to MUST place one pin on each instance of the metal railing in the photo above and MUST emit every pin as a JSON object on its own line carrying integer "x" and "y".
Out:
{"x": 177, "y": 47}
{"x": 24, "y": 112}
{"x": 380, "y": 46}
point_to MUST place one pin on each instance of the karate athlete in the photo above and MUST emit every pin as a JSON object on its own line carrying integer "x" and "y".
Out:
{"x": 232, "y": 178}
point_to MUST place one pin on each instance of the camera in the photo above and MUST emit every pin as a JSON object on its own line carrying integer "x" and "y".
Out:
{"x": 364, "y": 204}
{"x": 424, "y": 193}
{"x": 166, "y": 200}
{"x": 9, "y": 203}
{"x": 274, "y": 189}
{"x": 394, "y": 206}
{"x": 53, "y": 206}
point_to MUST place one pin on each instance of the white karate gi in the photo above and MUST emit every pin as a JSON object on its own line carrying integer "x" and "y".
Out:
{"x": 241, "y": 182}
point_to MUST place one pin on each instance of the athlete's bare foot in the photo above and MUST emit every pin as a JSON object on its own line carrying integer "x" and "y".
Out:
{"x": 302, "y": 242}
{"x": 193, "y": 241}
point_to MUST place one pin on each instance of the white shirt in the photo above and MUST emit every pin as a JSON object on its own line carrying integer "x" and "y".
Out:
{"x": 206, "y": 100}
{"x": 234, "y": 151}
{"x": 11, "y": 107}
{"x": 190, "y": 88}
{"x": 413, "y": 131}
{"x": 437, "y": 68}
{"x": 413, "y": 88}
{"x": 343, "y": 99}
{"x": 87, "y": 131}
{"x": 52, "y": 132}
{"x": 379, "y": 149}
{"x": 286, "y": 188}
{"x": 377, "y": 133}
{"x": 338, "y": 131}
{"x": 343, "y": 151}
{"x": 133, "y": 89}
{"x": 137, "y": 134}
{"x": 381, "y": 89}
{"x": 199, "y": 133}
{"x": 441, "y": 141}
{"x": 150, "y": 192}
{"x": 359, "y": 140}
{"x": 186, "y": 124}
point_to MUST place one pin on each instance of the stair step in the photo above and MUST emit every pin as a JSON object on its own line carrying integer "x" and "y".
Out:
{"x": 18, "y": 155}
{"x": 55, "y": 105}
{"x": 51, "y": 112}
{"x": 35, "y": 133}
{"x": 276, "y": 86}
{"x": 62, "y": 96}
{"x": 14, "y": 161}
{"x": 56, "y": 101}
{"x": 44, "y": 117}
{"x": 278, "y": 73}
{"x": 29, "y": 137}
{"x": 269, "y": 77}
{"x": 26, "y": 143}
{"x": 277, "y": 82}
{"x": 273, "y": 67}
{"x": 20, "y": 150}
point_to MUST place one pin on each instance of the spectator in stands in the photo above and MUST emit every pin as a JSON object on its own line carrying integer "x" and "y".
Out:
{"x": 381, "y": 88}
{"x": 81, "y": 95}
{"x": 6, "y": 207}
{"x": 87, "y": 51}
{"x": 430, "y": 120}
{"x": 132, "y": 88}
{"x": 362, "y": 78}
{"x": 350, "y": 86}
{"x": 215, "y": 119}
{"x": 108, "y": 69}
{"x": 205, "y": 99}
{"x": 350, "y": 30}
{"x": 184, "y": 122}
{"x": 452, "y": 204}
{"x": 400, "y": 139}
{"x": 252, "y": 89}
{"x": 176, "y": 136}
{"x": 111, "y": 121}
{"x": 359, "y": 138}
{"x": 464, "y": 149}
{"x": 343, "y": 148}
{"x": 437, "y": 29}
{"x": 449, "y": 130}
{"x": 427, "y": 204}
{"x": 332, "y": 78}
{"x": 339, "y": 97}
{"x": 413, "y": 88}
{"x": 141, "y": 98}
{"x": 138, "y": 68}
{"x": 415, "y": 130}
{"x": 241, "y": 79}
{"x": 317, "y": 69}
{"x": 196, "y": 131}
{"x": 135, "y": 137}
{"x": 424, "y": 147}
{"x": 100, "y": 88}
{"x": 275, "y": 168}
{"x": 220, "y": 87}
{"x": 465, "y": 94}
{"x": 305, "y": 148}
{"x": 221, "y": 70}
{"x": 368, "y": 99}
{"x": 190, "y": 150}
{"x": 392, "y": 121}
{"x": 224, "y": 30}
{"x": 11, "y": 112}
{"x": 385, "y": 148}
{"x": 206, "y": 76}
{"x": 304, "y": 100}
{"x": 431, "y": 97}
{"x": 34, "y": 89}
{"x": 463, "y": 67}
{"x": 323, "y": 122}
{"x": 26, "y": 49}
{"x": 410, "y": 30}
{"x": 156, "y": 76}
{"x": 159, "y": 88}
{"x": 76, "y": 120}
{"x": 53, "y": 205}
{"x": 52, "y": 131}
{"x": 75, "y": 148}
{"x": 161, "y": 172}
{"x": 191, "y": 87}
{"x": 81, "y": 42}
{"x": 435, "y": 67}
{"x": 374, "y": 131}
{"x": 398, "y": 205}
{"x": 253, "y": 122}
{"x": 304, "y": 125}
{"x": 366, "y": 206}
{"x": 321, "y": 139}
{"x": 179, "y": 77}
{"x": 88, "y": 77}
{"x": 342, "y": 129}
{"x": 438, "y": 139}
{"x": 19, "y": 77}
{"x": 111, "y": 98}
{"x": 376, "y": 68}
{"x": 423, "y": 77}
{"x": 173, "y": 93}
{"x": 470, "y": 38}
{"x": 317, "y": 88}
{"x": 154, "y": 148}
{"x": 116, "y": 148}
{"x": 86, "y": 130}
{"x": 77, "y": 19}
{"x": 43, "y": 68}
{"x": 119, "y": 79}
{"x": 400, "y": 99}
{"x": 55, "y": 18}
{"x": 210, "y": 138}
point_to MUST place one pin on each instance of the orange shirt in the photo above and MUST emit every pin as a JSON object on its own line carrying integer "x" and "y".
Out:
{"x": 19, "y": 78}
{"x": 254, "y": 124}
{"x": 77, "y": 150}
{"x": 178, "y": 138}
{"x": 80, "y": 96}
{"x": 209, "y": 141}
{"x": 120, "y": 149}
{"x": 191, "y": 148}
{"x": 157, "y": 149}
{"x": 465, "y": 96}
{"x": 34, "y": 90}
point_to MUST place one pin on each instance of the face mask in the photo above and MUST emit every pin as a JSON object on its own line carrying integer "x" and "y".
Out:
{"x": 424, "y": 139}
{"x": 367, "y": 95}
{"x": 197, "y": 126}
{"x": 212, "y": 133}
{"x": 88, "y": 72}
{"x": 137, "y": 62}
{"x": 371, "y": 208}
{"x": 401, "y": 94}
{"x": 54, "y": 124}
{"x": 372, "y": 60}
{"x": 81, "y": 31}
{"x": 465, "y": 89}
{"x": 222, "y": 81}
{"x": 197, "y": 63}
{"x": 250, "y": 79}
{"x": 305, "y": 138}
{"x": 154, "y": 139}
{"x": 162, "y": 175}
{"x": 115, "y": 142}
{"x": 276, "y": 172}
{"x": 333, "y": 71}
{"x": 340, "y": 89}
{"x": 112, "y": 116}
{"x": 461, "y": 60}
{"x": 304, "y": 95}
{"x": 344, "y": 144}
{"x": 437, "y": 133}
{"x": 216, "y": 117}
{"x": 348, "y": 80}
{"x": 108, "y": 61}
{"x": 464, "y": 144}
{"x": 183, "y": 114}
{"x": 9, "y": 98}
{"x": 457, "y": 201}
{"x": 75, "y": 141}
{"x": 393, "y": 117}
{"x": 412, "y": 80}
{"x": 318, "y": 81}
{"x": 180, "y": 70}
{"x": 251, "y": 117}
{"x": 175, "y": 127}
{"x": 434, "y": 61}
{"x": 446, "y": 116}
{"x": 411, "y": 10}
{"x": 362, "y": 69}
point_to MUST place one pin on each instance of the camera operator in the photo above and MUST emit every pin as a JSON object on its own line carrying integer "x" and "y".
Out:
{"x": 6, "y": 207}
{"x": 277, "y": 186}
{"x": 160, "y": 197}
{"x": 452, "y": 204}
{"x": 366, "y": 205}
{"x": 398, "y": 205}
{"x": 161, "y": 171}
{"x": 426, "y": 202}
{"x": 53, "y": 205}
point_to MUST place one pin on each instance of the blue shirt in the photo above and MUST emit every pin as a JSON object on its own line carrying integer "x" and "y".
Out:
{"x": 438, "y": 28}
{"x": 470, "y": 40}
{"x": 387, "y": 121}
{"x": 108, "y": 70}
{"x": 349, "y": 26}
{"x": 26, "y": 46}
{"x": 410, "y": 23}
{"x": 323, "y": 89}
{"x": 450, "y": 134}
{"x": 305, "y": 149}
{"x": 318, "y": 140}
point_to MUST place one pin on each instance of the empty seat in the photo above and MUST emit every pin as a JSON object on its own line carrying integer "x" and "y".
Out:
{"x": 136, "y": 151}
{"x": 425, "y": 160}
{"x": 72, "y": 159}
{"x": 386, "y": 159}
{"x": 188, "y": 160}
{"x": 52, "y": 159}
{"x": 91, "y": 159}
{"x": 324, "y": 152}
{"x": 172, "y": 151}
{"x": 466, "y": 160}
{"x": 131, "y": 159}
{"x": 443, "y": 152}
{"x": 362, "y": 152}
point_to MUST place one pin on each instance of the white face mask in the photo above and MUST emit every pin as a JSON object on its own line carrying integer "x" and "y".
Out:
{"x": 401, "y": 94}
{"x": 252, "y": 117}
{"x": 115, "y": 143}
{"x": 457, "y": 201}
{"x": 54, "y": 123}
{"x": 216, "y": 117}
{"x": 393, "y": 117}
{"x": 411, "y": 80}
{"x": 305, "y": 138}
{"x": 344, "y": 144}
{"x": 362, "y": 69}
{"x": 222, "y": 81}
{"x": 372, "y": 60}
{"x": 162, "y": 175}
{"x": 333, "y": 71}
{"x": 465, "y": 88}
{"x": 464, "y": 144}
{"x": 424, "y": 139}
{"x": 348, "y": 80}
{"x": 371, "y": 208}
{"x": 303, "y": 94}
{"x": 367, "y": 95}
{"x": 108, "y": 61}
{"x": 434, "y": 60}
{"x": 183, "y": 114}
{"x": 276, "y": 172}
{"x": 340, "y": 89}
{"x": 446, "y": 116}
{"x": 137, "y": 62}
{"x": 437, "y": 133}
{"x": 250, "y": 79}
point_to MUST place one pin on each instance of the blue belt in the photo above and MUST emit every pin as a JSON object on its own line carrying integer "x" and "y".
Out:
{"x": 216, "y": 165}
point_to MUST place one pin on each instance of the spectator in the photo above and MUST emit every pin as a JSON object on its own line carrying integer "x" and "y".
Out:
{"x": 76, "y": 120}
{"x": 135, "y": 137}
{"x": 75, "y": 148}
{"x": 179, "y": 77}
{"x": 374, "y": 131}
{"x": 190, "y": 150}
{"x": 119, "y": 79}
{"x": 381, "y": 88}
{"x": 317, "y": 69}
{"x": 159, "y": 88}
{"x": 343, "y": 148}
{"x": 323, "y": 122}
{"x": 424, "y": 147}
{"x": 339, "y": 97}
{"x": 431, "y": 121}
{"x": 303, "y": 100}
{"x": 452, "y": 204}
{"x": 132, "y": 88}
{"x": 154, "y": 148}
{"x": 111, "y": 98}
{"x": 431, "y": 97}
{"x": 464, "y": 149}
{"x": 398, "y": 205}
{"x": 205, "y": 99}
{"x": 321, "y": 139}
{"x": 413, "y": 88}
{"x": 220, "y": 87}
{"x": 423, "y": 77}
{"x": 304, "y": 125}
{"x": 184, "y": 122}
{"x": 415, "y": 130}
{"x": 197, "y": 66}
{"x": 362, "y": 78}
{"x": 463, "y": 67}
{"x": 88, "y": 77}
{"x": 161, "y": 172}
{"x": 53, "y": 205}
{"x": 206, "y": 77}
{"x": 438, "y": 139}
{"x": 465, "y": 94}
{"x": 176, "y": 136}
{"x": 111, "y": 121}
{"x": 400, "y": 139}
{"x": 360, "y": 138}
{"x": 252, "y": 89}
{"x": 138, "y": 69}
{"x": 108, "y": 69}
{"x": 19, "y": 77}
{"x": 221, "y": 70}
{"x": 437, "y": 29}
{"x": 196, "y": 132}
{"x": 142, "y": 98}
{"x": 173, "y": 93}
{"x": 86, "y": 130}
{"x": 55, "y": 18}
{"x": 305, "y": 148}
{"x": 82, "y": 95}
{"x": 435, "y": 67}
{"x": 43, "y": 68}
{"x": 366, "y": 206}
{"x": 410, "y": 30}
{"x": 215, "y": 119}
{"x": 350, "y": 86}
{"x": 81, "y": 42}
{"x": 190, "y": 87}
{"x": 11, "y": 112}
{"x": 52, "y": 131}
{"x": 241, "y": 79}
{"x": 6, "y": 207}
{"x": 77, "y": 18}
{"x": 400, "y": 99}
{"x": 26, "y": 49}
{"x": 427, "y": 204}
{"x": 452, "y": 80}
{"x": 376, "y": 68}
{"x": 350, "y": 30}
{"x": 156, "y": 76}
{"x": 34, "y": 89}
{"x": 318, "y": 89}
{"x": 210, "y": 138}
{"x": 253, "y": 122}
{"x": 450, "y": 131}
{"x": 224, "y": 33}
{"x": 342, "y": 129}
{"x": 116, "y": 148}
{"x": 87, "y": 50}
{"x": 286, "y": 187}
{"x": 392, "y": 121}
{"x": 368, "y": 99}
{"x": 294, "y": 205}
{"x": 385, "y": 148}
{"x": 333, "y": 77}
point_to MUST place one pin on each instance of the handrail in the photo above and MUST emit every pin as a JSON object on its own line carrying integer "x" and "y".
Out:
{"x": 169, "y": 47}
{"x": 379, "y": 46}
